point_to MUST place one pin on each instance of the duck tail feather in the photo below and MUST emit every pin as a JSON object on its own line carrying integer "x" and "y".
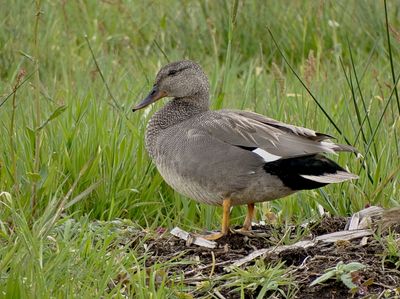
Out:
{"x": 328, "y": 178}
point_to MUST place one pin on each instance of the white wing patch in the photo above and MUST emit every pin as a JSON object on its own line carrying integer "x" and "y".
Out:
{"x": 268, "y": 157}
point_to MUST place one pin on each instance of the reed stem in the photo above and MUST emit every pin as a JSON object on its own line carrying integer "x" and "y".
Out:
{"x": 36, "y": 118}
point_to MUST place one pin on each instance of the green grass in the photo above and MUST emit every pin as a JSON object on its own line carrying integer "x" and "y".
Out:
{"x": 71, "y": 150}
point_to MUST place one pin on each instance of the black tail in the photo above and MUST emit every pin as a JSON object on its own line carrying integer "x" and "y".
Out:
{"x": 307, "y": 172}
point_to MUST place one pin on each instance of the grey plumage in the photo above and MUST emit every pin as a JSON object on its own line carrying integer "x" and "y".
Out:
{"x": 247, "y": 157}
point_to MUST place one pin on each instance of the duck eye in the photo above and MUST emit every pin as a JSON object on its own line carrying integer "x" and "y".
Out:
{"x": 172, "y": 72}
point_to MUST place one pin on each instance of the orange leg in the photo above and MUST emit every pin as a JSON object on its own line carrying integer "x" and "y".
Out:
{"x": 249, "y": 217}
{"x": 226, "y": 205}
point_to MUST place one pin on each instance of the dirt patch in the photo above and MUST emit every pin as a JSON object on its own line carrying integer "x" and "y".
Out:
{"x": 328, "y": 225}
{"x": 197, "y": 264}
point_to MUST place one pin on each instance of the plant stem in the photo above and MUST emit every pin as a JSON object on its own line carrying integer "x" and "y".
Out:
{"x": 228, "y": 56}
{"x": 391, "y": 58}
{"x": 14, "y": 173}
{"x": 36, "y": 118}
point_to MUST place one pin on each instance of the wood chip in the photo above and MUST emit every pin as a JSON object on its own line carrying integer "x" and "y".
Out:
{"x": 181, "y": 234}
{"x": 371, "y": 211}
{"x": 321, "y": 210}
{"x": 363, "y": 219}
{"x": 354, "y": 221}
{"x": 344, "y": 235}
{"x": 364, "y": 241}
{"x": 365, "y": 223}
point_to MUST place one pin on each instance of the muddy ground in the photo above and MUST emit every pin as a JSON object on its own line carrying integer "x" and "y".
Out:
{"x": 379, "y": 279}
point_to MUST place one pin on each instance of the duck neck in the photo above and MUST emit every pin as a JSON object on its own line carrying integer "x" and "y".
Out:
{"x": 178, "y": 110}
{"x": 174, "y": 112}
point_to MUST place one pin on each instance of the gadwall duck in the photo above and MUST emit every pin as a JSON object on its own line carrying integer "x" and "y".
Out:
{"x": 230, "y": 157}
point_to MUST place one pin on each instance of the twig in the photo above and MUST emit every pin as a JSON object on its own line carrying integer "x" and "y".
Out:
{"x": 213, "y": 264}
{"x": 218, "y": 294}
{"x": 205, "y": 267}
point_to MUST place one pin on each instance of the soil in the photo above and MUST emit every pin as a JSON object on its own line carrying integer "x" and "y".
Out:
{"x": 380, "y": 277}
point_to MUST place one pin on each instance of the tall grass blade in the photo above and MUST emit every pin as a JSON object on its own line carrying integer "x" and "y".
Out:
{"x": 228, "y": 56}
{"x": 366, "y": 113}
{"x": 37, "y": 109}
{"x": 371, "y": 140}
{"x": 308, "y": 90}
{"x": 391, "y": 57}
{"x": 353, "y": 97}
{"x": 115, "y": 102}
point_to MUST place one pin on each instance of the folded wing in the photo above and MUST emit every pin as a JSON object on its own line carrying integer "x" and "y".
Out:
{"x": 254, "y": 131}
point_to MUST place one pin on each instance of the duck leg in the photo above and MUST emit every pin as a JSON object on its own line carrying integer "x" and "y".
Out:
{"x": 249, "y": 217}
{"x": 246, "y": 228}
{"x": 226, "y": 205}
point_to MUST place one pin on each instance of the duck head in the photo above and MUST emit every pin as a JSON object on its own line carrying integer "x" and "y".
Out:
{"x": 181, "y": 80}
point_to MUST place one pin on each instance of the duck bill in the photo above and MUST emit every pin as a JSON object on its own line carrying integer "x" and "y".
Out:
{"x": 154, "y": 95}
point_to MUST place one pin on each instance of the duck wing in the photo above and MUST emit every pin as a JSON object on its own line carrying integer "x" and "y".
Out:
{"x": 271, "y": 138}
